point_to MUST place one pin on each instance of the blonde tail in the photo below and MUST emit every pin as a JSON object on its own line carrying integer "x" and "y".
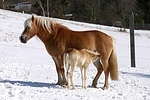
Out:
{"x": 65, "y": 60}
{"x": 113, "y": 65}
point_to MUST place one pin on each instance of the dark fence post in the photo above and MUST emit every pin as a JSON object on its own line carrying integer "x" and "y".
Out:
{"x": 132, "y": 44}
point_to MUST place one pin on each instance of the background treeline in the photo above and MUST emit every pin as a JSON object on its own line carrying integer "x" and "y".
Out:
{"x": 93, "y": 11}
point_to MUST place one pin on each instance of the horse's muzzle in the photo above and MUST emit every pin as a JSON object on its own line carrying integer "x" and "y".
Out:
{"x": 23, "y": 39}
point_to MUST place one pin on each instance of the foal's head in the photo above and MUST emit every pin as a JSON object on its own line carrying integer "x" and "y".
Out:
{"x": 30, "y": 30}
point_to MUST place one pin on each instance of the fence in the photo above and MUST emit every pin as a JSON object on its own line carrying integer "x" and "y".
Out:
{"x": 142, "y": 26}
{"x": 138, "y": 26}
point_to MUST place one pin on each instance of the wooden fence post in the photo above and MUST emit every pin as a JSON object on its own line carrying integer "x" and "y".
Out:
{"x": 132, "y": 44}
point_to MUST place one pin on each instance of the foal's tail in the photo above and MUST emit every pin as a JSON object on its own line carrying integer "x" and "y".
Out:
{"x": 113, "y": 65}
{"x": 65, "y": 58}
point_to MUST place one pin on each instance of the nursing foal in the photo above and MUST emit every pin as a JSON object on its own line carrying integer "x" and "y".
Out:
{"x": 81, "y": 58}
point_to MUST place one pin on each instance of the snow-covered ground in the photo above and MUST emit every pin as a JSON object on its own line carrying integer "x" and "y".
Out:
{"x": 27, "y": 72}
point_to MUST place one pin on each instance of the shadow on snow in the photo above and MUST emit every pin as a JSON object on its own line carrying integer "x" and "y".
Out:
{"x": 38, "y": 84}
{"x": 137, "y": 74}
{"x": 29, "y": 83}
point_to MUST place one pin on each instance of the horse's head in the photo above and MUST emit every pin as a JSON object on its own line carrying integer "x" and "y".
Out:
{"x": 30, "y": 30}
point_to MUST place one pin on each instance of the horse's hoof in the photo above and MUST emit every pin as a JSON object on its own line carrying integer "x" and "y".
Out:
{"x": 94, "y": 85}
{"x": 64, "y": 83}
{"x": 105, "y": 87}
{"x": 58, "y": 83}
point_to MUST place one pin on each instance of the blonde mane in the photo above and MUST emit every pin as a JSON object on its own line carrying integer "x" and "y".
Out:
{"x": 46, "y": 23}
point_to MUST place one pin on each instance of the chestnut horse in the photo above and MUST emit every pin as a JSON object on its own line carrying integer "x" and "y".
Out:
{"x": 57, "y": 38}
{"x": 81, "y": 58}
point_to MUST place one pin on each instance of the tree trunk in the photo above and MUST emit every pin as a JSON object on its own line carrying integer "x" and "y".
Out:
{"x": 47, "y": 8}
{"x": 40, "y": 3}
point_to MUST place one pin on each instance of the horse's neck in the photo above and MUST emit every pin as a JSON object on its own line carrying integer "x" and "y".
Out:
{"x": 45, "y": 36}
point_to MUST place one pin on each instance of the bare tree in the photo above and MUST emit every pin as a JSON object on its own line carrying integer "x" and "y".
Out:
{"x": 126, "y": 6}
{"x": 93, "y": 8}
{"x": 2, "y": 4}
{"x": 47, "y": 8}
{"x": 40, "y": 3}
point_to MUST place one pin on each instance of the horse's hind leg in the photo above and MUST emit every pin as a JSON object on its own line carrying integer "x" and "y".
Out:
{"x": 99, "y": 67}
{"x": 106, "y": 72}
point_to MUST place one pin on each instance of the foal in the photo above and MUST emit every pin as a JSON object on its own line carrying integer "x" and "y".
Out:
{"x": 81, "y": 58}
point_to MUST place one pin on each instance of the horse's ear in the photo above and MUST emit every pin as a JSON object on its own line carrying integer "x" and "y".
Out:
{"x": 32, "y": 18}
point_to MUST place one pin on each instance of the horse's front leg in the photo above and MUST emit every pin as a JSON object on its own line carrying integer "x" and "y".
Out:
{"x": 60, "y": 70}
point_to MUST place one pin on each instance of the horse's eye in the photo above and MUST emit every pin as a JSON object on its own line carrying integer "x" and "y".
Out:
{"x": 28, "y": 27}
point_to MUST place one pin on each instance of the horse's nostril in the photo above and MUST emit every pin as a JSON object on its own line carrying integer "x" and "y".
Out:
{"x": 23, "y": 39}
{"x": 20, "y": 38}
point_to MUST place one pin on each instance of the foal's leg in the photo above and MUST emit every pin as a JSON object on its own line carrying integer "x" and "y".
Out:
{"x": 62, "y": 70}
{"x": 68, "y": 77}
{"x": 68, "y": 74}
{"x": 82, "y": 76}
{"x": 99, "y": 67}
{"x": 71, "y": 76}
{"x": 85, "y": 77}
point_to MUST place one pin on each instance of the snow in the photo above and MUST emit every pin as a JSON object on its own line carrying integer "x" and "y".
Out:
{"x": 27, "y": 72}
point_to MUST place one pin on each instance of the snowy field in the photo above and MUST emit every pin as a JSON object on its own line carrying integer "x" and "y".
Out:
{"x": 27, "y": 72}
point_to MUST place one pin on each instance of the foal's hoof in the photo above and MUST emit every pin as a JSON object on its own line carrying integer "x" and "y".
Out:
{"x": 73, "y": 88}
{"x": 65, "y": 83}
{"x": 84, "y": 88}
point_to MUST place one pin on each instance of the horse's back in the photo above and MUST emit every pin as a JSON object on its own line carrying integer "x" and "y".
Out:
{"x": 101, "y": 41}
{"x": 90, "y": 40}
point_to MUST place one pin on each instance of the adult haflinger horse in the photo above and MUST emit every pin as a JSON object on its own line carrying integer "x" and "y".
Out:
{"x": 57, "y": 38}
